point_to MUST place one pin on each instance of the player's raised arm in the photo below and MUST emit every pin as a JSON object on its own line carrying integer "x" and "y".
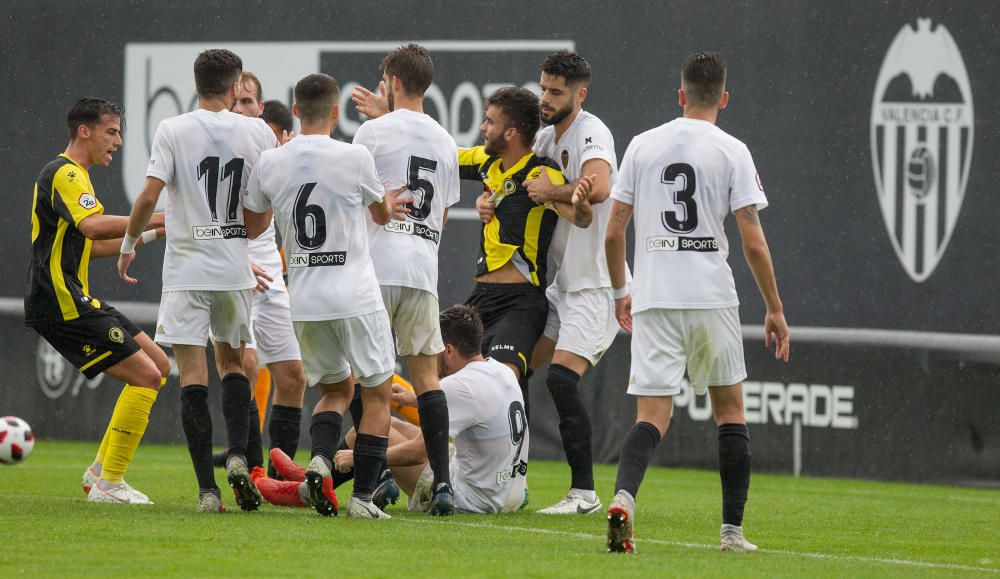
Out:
{"x": 138, "y": 220}
{"x": 579, "y": 211}
{"x": 370, "y": 104}
{"x": 758, "y": 257}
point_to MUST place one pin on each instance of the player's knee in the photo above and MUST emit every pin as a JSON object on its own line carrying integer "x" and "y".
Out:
{"x": 149, "y": 376}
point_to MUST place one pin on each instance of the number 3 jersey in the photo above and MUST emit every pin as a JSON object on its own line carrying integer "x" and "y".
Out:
{"x": 487, "y": 423}
{"x": 411, "y": 149}
{"x": 682, "y": 179}
{"x": 320, "y": 190}
{"x": 205, "y": 159}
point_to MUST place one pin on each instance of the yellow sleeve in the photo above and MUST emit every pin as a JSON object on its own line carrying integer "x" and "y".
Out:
{"x": 554, "y": 175}
{"x": 469, "y": 161}
{"x": 73, "y": 196}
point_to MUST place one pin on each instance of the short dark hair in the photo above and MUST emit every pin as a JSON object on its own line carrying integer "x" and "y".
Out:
{"x": 462, "y": 327}
{"x": 316, "y": 95}
{"x": 412, "y": 64}
{"x": 247, "y": 75}
{"x": 704, "y": 78}
{"x": 88, "y": 111}
{"x": 520, "y": 109}
{"x": 215, "y": 70}
{"x": 569, "y": 65}
{"x": 277, "y": 113}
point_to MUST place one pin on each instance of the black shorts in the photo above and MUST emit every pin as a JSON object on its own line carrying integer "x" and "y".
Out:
{"x": 95, "y": 341}
{"x": 513, "y": 317}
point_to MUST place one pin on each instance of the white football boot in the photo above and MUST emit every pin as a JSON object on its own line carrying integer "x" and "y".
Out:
{"x": 358, "y": 509}
{"x": 621, "y": 515}
{"x": 90, "y": 478}
{"x": 115, "y": 493}
{"x": 574, "y": 503}
{"x": 733, "y": 540}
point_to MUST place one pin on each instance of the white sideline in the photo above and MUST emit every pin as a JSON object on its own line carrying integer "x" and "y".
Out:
{"x": 601, "y": 538}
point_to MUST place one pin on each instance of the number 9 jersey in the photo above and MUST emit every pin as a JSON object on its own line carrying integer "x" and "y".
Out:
{"x": 205, "y": 159}
{"x": 682, "y": 179}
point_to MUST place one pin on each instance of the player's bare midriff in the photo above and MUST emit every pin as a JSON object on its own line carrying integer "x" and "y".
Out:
{"x": 507, "y": 273}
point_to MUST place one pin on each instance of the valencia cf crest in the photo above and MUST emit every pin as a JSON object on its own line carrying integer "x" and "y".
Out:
{"x": 564, "y": 157}
{"x": 921, "y": 143}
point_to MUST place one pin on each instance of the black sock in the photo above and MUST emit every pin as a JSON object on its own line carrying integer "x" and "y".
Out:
{"x": 356, "y": 409}
{"x": 523, "y": 383}
{"x": 369, "y": 455}
{"x": 574, "y": 424}
{"x": 734, "y": 470}
{"x": 638, "y": 446}
{"x": 255, "y": 447}
{"x": 284, "y": 432}
{"x": 325, "y": 431}
{"x": 338, "y": 477}
{"x": 433, "y": 409}
{"x": 197, "y": 423}
{"x": 235, "y": 404}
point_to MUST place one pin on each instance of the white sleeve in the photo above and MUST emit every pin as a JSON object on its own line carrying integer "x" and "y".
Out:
{"x": 256, "y": 200}
{"x": 366, "y": 137}
{"x": 161, "y": 160}
{"x": 624, "y": 189}
{"x": 596, "y": 143}
{"x": 368, "y": 182}
{"x": 461, "y": 405}
{"x": 744, "y": 183}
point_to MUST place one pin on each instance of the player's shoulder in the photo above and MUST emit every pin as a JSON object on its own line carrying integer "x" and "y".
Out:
{"x": 591, "y": 123}
{"x": 59, "y": 165}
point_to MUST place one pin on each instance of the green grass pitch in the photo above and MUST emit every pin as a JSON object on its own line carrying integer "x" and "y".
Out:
{"x": 805, "y": 528}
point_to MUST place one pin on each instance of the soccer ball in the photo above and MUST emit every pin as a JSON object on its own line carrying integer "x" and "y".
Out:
{"x": 16, "y": 440}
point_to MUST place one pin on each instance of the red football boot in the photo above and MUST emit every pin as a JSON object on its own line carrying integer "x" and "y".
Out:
{"x": 284, "y": 493}
{"x": 286, "y": 467}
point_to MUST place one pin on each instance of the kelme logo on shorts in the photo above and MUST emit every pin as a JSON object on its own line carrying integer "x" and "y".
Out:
{"x": 921, "y": 143}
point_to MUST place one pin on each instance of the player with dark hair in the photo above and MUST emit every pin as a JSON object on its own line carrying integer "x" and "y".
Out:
{"x": 203, "y": 159}
{"x": 411, "y": 149}
{"x": 319, "y": 190}
{"x": 681, "y": 179}
{"x": 581, "y": 321}
{"x": 279, "y": 118}
{"x": 486, "y": 421}
{"x": 514, "y": 246}
{"x": 68, "y": 228}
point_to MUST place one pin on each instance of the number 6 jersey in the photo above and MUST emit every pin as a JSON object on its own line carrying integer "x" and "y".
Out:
{"x": 320, "y": 190}
{"x": 682, "y": 179}
{"x": 411, "y": 149}
{"x": 205, "y": 159}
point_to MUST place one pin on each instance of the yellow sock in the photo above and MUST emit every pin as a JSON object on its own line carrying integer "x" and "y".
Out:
{"x": 128, "y": 423}
{"x": 103, "y": 450}
{"x": 262, "y": 391}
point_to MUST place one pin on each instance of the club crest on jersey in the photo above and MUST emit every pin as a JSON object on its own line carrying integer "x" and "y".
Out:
{"x": 564, "y": 157}
{"x": 116, "y": 335}
{"x": 921, "y": 143}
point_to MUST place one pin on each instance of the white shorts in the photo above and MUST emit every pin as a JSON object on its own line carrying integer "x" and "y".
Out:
{"x": 332, "y": 348}
{"x": 415, "y": 318}
{"x": 423, "y": 491}
{"x": 708, "y": 344}
{"x": 271, "y": 325}
{"x": 582, "y": 322}
{"x": 191, "y": 317}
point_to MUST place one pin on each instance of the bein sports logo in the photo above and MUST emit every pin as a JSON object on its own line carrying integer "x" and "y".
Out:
{"x": 921, "y": 143}
{"x": 159, "y": 82}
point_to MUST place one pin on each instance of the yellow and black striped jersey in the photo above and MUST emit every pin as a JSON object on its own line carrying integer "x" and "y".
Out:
{"x": 60, "y": 253}
{"x": 521, "y": 229}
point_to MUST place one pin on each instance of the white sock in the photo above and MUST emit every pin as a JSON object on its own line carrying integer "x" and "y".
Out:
{"x": 589, "y": 496}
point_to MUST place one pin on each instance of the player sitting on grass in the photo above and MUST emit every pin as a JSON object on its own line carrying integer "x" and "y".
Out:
{"x": 489, "y": 458}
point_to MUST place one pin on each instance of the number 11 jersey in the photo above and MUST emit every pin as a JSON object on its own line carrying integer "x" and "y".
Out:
{"x": 682, "y": 179}
{"x": 205, "y": 159}
{"x": 411, "y": 149}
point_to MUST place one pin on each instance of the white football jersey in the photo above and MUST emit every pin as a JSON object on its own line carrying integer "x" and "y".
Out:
{"x": 205, "y": 160}
{"x": 490, "y": 432}
{"x": 411, "y": 149}
{"x": 320, "y": 190}
{"x": 584, "y": 266}
{"x": 682, "y": 179}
